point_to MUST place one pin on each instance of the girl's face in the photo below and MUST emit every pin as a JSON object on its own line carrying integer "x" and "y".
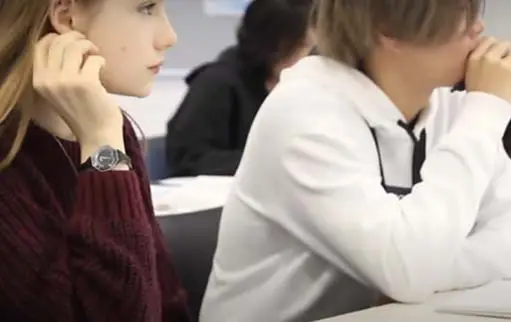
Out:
{"x": 132, "y": 36}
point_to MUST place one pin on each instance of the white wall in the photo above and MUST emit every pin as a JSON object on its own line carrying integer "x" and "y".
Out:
{"x": 199, "y": 36}
{"x": 496, "y": 17}
{"x": 153, "y": 112}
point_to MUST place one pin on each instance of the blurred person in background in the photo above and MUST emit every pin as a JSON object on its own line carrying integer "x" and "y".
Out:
{"x": 208, "y": 132}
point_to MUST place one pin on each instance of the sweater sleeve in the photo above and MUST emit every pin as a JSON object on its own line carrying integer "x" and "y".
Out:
{"x": 97, "y": 265}
{"x": 173, "y": 296}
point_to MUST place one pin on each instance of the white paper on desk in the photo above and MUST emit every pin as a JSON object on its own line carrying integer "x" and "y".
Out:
{"x": 492, "y": 300}
{"x": 175, "y": 196}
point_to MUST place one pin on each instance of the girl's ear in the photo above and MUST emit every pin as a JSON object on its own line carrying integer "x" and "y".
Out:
{"x": 60, "y": 15}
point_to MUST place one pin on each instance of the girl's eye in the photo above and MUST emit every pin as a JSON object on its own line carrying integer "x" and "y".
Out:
{"x": 148, "y": 9}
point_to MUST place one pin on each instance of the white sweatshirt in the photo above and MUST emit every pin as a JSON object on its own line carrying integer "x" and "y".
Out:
{"x": 309, "y": 231}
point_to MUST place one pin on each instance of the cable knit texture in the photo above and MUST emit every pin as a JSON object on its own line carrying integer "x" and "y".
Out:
{"x": 81, "y": 247}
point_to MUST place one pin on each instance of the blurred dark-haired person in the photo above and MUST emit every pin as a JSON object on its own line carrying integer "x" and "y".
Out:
{"x": 207, "y": 134}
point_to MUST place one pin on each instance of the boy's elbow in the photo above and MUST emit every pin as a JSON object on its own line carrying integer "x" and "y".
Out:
{"x": 406, "y": 292}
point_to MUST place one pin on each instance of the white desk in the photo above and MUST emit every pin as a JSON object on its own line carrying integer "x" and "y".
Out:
{"x": 496, "y": 294}
{"x": 189, "y": 195}
{"x": 405, "y": 313}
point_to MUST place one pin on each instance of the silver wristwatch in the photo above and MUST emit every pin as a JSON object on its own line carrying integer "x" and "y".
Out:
{"x": 106, "y": 159}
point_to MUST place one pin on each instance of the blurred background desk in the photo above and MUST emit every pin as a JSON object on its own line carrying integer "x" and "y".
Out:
{"x": 191, "y": 239}
{"x": 188, "y": 211}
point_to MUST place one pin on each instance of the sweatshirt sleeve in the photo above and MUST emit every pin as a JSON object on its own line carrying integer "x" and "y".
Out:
{"x": 335, "y": 204}
{"x": 98, "y": 264}
{"x": 484, "y": 255}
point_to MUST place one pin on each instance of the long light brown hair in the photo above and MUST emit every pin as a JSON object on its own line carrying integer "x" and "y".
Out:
{"x": 23, "y": 24}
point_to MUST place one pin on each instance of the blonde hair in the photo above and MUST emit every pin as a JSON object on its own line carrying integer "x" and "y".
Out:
{"x": 348, "y": 30}
{"x": 24, "y": 23}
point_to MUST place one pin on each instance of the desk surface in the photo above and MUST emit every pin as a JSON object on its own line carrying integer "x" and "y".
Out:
{"x": 192, "y": 239}
{"x": 405, "y": 313}
{"x": 178, "y": 196}
{"x": 410, "y": 313}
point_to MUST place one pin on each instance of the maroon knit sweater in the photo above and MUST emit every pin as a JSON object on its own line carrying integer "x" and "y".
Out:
{"x": 81, "y": 247}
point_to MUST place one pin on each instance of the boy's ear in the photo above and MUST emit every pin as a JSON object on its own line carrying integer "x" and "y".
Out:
{"x": 61, "y": 15}
{"x": 389, "y": 43}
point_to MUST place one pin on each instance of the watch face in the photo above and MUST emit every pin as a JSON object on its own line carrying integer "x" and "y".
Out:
{"x": 105, "y": 159}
